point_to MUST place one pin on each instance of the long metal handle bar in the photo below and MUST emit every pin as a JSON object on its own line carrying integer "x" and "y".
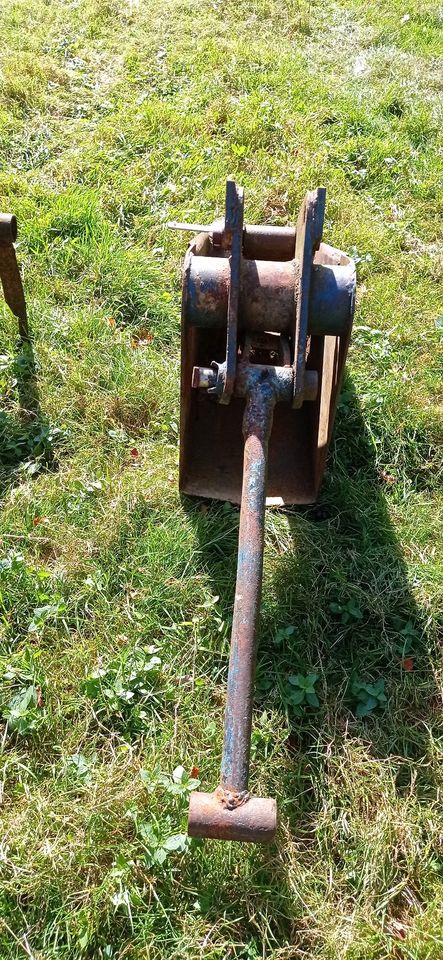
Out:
{"x": 257, "y": 424}
{"x": 230, "y": 813}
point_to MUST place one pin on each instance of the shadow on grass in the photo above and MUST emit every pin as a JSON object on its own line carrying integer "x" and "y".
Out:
{"x": 337, "y": 556}
{"x": 27, "y": 439}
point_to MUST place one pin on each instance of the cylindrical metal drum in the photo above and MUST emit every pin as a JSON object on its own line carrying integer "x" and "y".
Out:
{"x": 268, "y": 295}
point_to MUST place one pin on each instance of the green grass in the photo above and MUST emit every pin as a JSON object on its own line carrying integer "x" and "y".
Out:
{"x": 115, "y": 595}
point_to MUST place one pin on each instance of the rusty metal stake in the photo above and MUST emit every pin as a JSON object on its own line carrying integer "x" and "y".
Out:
{"x": 10, "y": 273}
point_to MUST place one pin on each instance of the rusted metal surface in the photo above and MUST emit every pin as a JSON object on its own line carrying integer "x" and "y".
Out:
{"x": 10, "y": 273}
{"x": 253, "y": 822}
{"x": 267, "y": 295}
{"x": 208, "y": 291}
{"x": 230, "y": 813}
{"x": 254, "y": 379}
{"x": 259, "y": 242}
{"x": 231, "y": 799}
{"x": 257, "y": 424}
{"x": 307, "y": 240}
{"x": 266, "y": 319}
{"x": 266, "y": 299}
{"x": 269, "y": 292}
{"x": 8, "y": 229}
{"x": 232, "y": 237}
{"x": 269, "y": 243}
{"x": 211, "y": 449}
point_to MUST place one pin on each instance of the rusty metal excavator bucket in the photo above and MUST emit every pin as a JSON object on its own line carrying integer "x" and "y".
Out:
{"x": 266, "y": 320}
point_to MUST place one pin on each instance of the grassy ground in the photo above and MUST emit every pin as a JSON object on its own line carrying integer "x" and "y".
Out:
{"x": 115, "y": 596}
